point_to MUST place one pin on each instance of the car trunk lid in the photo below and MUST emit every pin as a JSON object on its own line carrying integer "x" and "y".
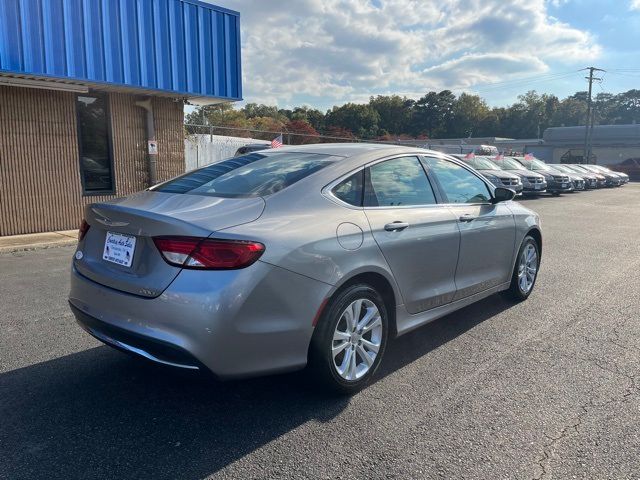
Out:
{"x": 131, "y": 223}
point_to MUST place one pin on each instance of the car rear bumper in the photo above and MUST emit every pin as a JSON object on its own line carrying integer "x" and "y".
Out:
{"x": 235, "y": 323}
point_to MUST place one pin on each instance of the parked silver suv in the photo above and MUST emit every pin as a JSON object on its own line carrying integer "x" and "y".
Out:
{"x": 311, "y": 255}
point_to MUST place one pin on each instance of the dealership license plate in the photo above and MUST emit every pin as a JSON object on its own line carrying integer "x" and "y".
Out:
{"x": 565, "y": 185}
{"x": 119, "y": 248}
{"x": 538, "y": 187}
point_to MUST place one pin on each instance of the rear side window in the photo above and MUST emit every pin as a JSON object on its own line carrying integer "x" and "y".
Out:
{"x": 350, "y": 189}
{"x": 254, "y": 175}
{"x": 458, "y": 183}
{"x": 398, "y": 182}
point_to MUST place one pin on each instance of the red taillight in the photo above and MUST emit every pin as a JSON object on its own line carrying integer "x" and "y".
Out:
{"x": 208, "y": 253}
{"x": 82, "y": 231}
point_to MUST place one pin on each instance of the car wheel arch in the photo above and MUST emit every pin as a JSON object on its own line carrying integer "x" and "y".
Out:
{"x": 382, "y": 284}
{"x": 537, "y": 236}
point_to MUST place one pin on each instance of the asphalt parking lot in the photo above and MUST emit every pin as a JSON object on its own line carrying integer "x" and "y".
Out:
{"x": 541, "y": 389}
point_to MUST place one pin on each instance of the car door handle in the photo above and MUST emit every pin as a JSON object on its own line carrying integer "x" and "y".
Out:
{"x": 391, "y": 227}
{"x": 467, "y": 218}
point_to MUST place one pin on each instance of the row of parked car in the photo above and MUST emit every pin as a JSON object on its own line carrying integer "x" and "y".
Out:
{"x": 530, "y": 176}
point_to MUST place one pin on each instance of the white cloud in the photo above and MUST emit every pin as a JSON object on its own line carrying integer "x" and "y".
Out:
{"x": 634, "y": 5}
{"x": 346, "y": 50}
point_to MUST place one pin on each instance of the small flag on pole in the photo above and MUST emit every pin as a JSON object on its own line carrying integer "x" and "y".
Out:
{"x": 499, "y": 157}
{"x": 528, "y": 156}
{"x": 470, "y": 156}
{"x": 277, "y": 142}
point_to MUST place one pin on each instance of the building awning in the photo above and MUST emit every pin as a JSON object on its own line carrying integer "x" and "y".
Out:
{"x": 179, "y": 48}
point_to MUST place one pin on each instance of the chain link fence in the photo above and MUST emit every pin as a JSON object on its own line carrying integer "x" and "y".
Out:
{"x": 289, "y": 137}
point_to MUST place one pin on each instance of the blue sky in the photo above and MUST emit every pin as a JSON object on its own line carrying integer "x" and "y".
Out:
{"x": 329, "y": 52}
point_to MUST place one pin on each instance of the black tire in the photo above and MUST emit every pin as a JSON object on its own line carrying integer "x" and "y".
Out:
{"x": 321, "y": 368}
{"x": 515, "y": 292}
{"x": 555, "y": 194}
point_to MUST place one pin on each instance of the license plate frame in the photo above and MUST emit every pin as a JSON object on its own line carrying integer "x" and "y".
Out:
{"x": 119, "y": 248}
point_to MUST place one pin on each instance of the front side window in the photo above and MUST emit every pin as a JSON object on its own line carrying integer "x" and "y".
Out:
{"x": 398, "y": 182}
{"x": 94, "y": 144}
{"x": 458, "y": 183}
{"x": 255, "y": 175}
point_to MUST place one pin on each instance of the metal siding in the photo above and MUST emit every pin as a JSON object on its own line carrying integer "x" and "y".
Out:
{"x": 191, "y": 48}
{"x": 113, "y": 41}
{"x": 177, "y": 45}
{"x": 53, "y": 32}
{"x": 184, "y": 47}
{"x": 205, "y": 52}
{"x": 130, "y": 46}
{"x": 220, "y": 58}
{"x": 162, "y": 50}
{"x": 32, "y": 35}
{"x": 74, "y": 39}
{"x": 39, "y": 158}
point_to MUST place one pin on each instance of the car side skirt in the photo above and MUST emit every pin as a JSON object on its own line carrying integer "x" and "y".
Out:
{"x": 407, "y": 322}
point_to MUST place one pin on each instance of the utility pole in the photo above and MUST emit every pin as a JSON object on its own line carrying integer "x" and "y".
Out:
{"x": 587, "y": 137}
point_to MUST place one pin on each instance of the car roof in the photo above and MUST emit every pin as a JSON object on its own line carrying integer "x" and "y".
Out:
{"x": 355, "y": 149}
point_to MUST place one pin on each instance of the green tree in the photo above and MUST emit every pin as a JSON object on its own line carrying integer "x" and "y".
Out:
{"x": 433, "y": 114}
{"x": 251, "y": 110}
{"x": 312, "y": 116}
{"x": 628, "y": 107}
{"x": 394, "y": 111}
{"x": 468, "y": 113}
{"x": 570, "y": 112}
{"x": 359, "y": 119}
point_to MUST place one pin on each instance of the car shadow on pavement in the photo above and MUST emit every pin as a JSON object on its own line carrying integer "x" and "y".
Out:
{"x": 101, "y": 414}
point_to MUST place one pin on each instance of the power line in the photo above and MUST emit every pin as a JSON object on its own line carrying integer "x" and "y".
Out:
{"x": 518, "y": 82}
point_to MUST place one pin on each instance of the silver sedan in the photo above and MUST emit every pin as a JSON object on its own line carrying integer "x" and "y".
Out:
{"x": 299, "y": 256}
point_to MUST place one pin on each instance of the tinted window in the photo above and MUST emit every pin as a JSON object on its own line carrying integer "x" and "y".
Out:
{"x": 256, "y": 174}
{"x": 458, "y": 183}
{"x": 398, "y": 182}
{"x": 93, "y": 138}
{"x": 350, "y": 190}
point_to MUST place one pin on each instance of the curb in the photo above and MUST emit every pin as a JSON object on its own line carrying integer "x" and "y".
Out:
{"x": 26, "y": 243}
{"x": 40, "y": 246}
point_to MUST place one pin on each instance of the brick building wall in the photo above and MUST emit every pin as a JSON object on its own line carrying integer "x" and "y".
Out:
{"x": 40, "y": 186}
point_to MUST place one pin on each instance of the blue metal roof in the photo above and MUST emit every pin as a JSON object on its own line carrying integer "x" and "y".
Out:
{"x": 185, "y": 47}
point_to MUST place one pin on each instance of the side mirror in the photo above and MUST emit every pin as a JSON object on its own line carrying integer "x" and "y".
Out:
{"x": 502, "y": 195}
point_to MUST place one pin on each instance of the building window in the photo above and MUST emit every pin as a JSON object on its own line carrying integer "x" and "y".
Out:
{"x": 94, "y": 137}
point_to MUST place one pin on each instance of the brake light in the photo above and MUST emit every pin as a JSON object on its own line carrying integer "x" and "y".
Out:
{"x": 82, "y": 231}
{"x": 208, "y": 253}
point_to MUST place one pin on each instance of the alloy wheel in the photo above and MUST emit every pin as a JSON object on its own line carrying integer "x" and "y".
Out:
{"x": 527, "y": 268}
{"x": 357, "y": 339}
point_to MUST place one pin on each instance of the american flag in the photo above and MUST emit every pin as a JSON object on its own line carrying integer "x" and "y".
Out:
{"x": 470, "y": 156}
{"x": 499, "y": 157}
{"x": 277, "y": 142}
{"x": 528, "y": 156}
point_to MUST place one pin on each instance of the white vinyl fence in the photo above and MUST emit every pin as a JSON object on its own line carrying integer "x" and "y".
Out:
{"x": 204, "y": 149}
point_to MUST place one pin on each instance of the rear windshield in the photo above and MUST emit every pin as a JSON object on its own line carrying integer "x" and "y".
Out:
{"x": 255, "y": 175}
